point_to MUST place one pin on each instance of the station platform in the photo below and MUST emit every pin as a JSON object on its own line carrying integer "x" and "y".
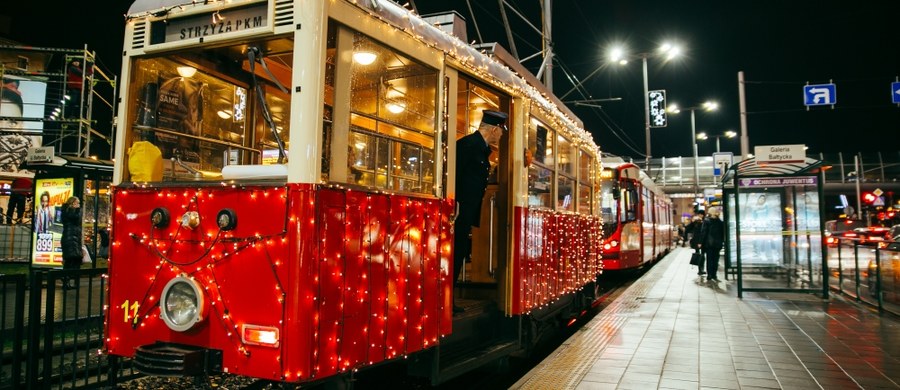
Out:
{"x": 672, "y": 329}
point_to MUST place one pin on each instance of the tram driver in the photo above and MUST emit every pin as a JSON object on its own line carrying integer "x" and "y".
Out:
{"x": 472, "y": 171}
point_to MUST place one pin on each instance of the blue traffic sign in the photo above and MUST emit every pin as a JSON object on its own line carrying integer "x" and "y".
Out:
{"x": 819, "y": 95}
{"x": 895, "y": 92}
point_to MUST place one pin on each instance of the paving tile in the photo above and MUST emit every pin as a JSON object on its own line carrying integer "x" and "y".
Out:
{"x": 719, "y": 383}
{"x": 759, "y": 382}
{"x": 602, "y": 377}
{"x": 695, "y": 368}
{"x": 678, "y": 384}
{"x": 606, "y": 370}
{"x": 640, "y": 377}
{"x": 595, "y": 386}
{"x": 748, "y": 374}
{"x": 681, "y": 375}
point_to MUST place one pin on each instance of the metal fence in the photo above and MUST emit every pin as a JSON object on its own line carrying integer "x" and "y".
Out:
{"x": 51, "y": 335}
{"x": 868, "y": 274}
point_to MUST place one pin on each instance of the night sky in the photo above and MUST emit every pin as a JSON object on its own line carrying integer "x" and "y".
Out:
{"x": 780, "y": 46}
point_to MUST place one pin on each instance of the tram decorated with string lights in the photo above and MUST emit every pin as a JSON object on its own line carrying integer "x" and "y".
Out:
{"x": 638, "y": 226}
{"x": 284, "y": 195}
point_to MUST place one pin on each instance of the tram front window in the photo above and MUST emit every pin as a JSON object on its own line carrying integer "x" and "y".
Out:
{"x": 200, "y": 109}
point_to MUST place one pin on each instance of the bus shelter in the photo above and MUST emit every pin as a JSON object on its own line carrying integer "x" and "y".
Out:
{"x": 54, "y": 182}
{"x": 773, "y": 217}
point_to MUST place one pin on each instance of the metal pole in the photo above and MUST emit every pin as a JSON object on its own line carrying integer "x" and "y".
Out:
{"x": 646, "y": 114}
{"x": 694, "y": 142}
{"x": 745, "y": 140}
{"x": 858, "y": 177}
{"x": 548, "y": 37}
{"x": 717, "y": 144}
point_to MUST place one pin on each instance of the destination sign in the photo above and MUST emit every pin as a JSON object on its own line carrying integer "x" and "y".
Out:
{"x": 215, "y": 24}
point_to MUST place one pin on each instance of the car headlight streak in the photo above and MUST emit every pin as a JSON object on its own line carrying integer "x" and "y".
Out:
{"x": 182, "y": 305}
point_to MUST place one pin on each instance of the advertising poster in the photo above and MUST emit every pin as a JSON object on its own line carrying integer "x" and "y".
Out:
{"x": 179, "y": 108}
{"x": 21, "y": 98}
{"x": 761, "y": 229}
{"x": 50, "y": 195}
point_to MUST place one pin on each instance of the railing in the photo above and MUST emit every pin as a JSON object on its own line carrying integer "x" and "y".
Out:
{"x": 868, "y": 274}
{"x": 52, "y": 336}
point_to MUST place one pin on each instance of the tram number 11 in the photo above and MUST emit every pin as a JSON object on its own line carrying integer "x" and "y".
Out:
{"x": 133, "y": 315}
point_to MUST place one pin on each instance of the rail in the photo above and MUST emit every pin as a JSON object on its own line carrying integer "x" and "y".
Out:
{"x": 867, "y": 272}
{"x": 50, "y": 335}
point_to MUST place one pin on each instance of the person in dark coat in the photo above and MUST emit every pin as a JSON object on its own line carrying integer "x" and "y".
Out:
{"x": 71, "y": 243}
{"x": 472, "y": 171}
{"x": 693, "y": 230}
{"x": 712, "y": 238}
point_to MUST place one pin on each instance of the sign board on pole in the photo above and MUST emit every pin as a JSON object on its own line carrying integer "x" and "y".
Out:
{"x": 895, "y": 92}
{"x": 780, "y": 154}
{"x": 657, "y": 108}
{"x": 721, "y": 162}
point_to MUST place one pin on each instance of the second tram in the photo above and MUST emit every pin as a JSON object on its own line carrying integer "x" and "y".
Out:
{"x": 638, "y": 223}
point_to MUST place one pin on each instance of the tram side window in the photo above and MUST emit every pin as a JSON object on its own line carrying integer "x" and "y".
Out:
{"x": 540, "y": 173}
{"x": 585, "y": 182}
{"x": 630, "y": 202}
{"x": 328, "y": 95}
{"x": 198, "y": 107}
{"x": 566, "y": 159}
{"x": 392, "y": 119}
{"x": 649, "y": 203}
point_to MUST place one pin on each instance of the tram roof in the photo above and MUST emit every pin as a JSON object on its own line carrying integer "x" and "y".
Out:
{"x": 750, "y": 168}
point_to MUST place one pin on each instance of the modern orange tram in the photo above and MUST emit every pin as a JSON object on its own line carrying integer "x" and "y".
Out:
{"x": 638, "y": 217}
{"x": 283, "y": 195}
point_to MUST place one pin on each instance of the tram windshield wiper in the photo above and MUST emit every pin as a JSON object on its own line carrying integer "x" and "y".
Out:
{"x": 254, "y": 54}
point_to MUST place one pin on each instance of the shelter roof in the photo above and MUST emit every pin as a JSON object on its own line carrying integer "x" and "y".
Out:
{"x": 750, "y": 168}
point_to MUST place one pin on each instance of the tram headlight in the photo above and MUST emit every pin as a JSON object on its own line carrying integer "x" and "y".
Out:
{"x": 611, "y": 244}
{"x": 182, "y": 305}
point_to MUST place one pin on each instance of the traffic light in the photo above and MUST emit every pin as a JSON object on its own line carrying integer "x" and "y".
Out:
{"x": 868, "y": 197}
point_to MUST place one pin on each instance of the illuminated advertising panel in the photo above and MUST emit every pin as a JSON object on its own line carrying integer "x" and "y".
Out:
{"x": 49, "y": 197}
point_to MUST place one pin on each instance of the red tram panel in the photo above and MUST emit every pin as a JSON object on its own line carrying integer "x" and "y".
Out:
{"x": 556, "y": 253}
{"x": 352, "y": 289}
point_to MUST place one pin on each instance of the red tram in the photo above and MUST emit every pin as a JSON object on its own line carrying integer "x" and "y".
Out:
{"x": 284, "y": 194}
{"x": 637, "y": 217}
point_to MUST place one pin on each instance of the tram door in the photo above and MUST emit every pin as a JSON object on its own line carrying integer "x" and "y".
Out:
{"x": 489, "y": 239}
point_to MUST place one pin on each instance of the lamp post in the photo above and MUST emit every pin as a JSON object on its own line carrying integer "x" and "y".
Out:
{"x": 706, "y": 106}
{"x": 666, "y": 51}
{"x": 727, "y": 134}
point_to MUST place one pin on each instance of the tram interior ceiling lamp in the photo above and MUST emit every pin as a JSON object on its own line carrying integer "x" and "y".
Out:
{"x": 186, "y": 71}
{"x": 364, "y": 57}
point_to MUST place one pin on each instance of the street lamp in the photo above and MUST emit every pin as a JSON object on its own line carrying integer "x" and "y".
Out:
{"x": 706, "y": 106}
{"x": 667, "y": 51}
{"x": 727, "y": 134}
